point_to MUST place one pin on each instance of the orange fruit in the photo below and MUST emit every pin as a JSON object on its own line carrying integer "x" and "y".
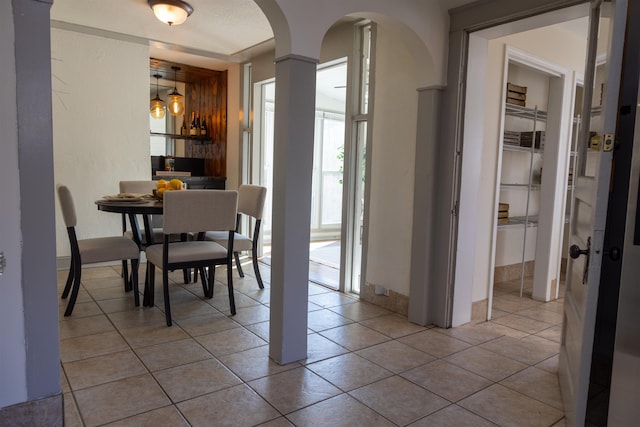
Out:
{"x": 175, "y": 184}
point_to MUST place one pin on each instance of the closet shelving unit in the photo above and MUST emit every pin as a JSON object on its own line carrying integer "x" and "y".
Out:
{"x": 530, "y": 218}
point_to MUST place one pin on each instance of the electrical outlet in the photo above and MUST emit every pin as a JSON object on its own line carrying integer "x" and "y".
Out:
{"x": 381, "y": 290}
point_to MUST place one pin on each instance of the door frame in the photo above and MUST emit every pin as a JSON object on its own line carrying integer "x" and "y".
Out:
{"x": 465, "y": 20}
{"x": 543, "y": 236}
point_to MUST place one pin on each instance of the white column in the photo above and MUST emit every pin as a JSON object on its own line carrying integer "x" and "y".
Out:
{"x": 292, "y": 172}
{"x": 424, "y": 302}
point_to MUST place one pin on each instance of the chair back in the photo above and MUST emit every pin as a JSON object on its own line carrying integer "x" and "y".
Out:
{"x": 137, "y": 187}
{"x": 140, "y": 187}
{"x": 251, "y": 200}
{"x": 67, "y": 206}
{"x": 193, "y": 211}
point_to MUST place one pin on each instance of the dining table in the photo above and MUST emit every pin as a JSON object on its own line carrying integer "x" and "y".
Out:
{"x": 132, "y": 207}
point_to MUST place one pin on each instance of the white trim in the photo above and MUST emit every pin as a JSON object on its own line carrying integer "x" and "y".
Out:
{"x": 513, "y": 55}
{"x": 520, "y": 57}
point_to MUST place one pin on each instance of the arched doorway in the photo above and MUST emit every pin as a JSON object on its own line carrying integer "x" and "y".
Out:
{"x": 390, "y": 199}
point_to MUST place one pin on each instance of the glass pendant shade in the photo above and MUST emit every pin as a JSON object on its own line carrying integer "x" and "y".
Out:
{"x": 157, "y": 105}
{"x": 176, "y": 107}
{"x": 172, "y": 12}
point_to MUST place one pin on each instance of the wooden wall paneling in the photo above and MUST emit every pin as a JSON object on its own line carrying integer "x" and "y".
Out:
{"x": 208, "y": 98}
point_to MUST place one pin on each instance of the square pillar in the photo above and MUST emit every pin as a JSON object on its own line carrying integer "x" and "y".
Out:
{"x": 292, "y": 182}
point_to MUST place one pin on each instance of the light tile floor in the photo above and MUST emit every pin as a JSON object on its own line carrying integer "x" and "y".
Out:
{"x": 122, "y": 366}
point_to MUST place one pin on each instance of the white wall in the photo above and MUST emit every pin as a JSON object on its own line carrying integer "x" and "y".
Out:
{"x": 100, "y": 124}
{"x": 555, "y": 45}
{"x": 392, "y": 174}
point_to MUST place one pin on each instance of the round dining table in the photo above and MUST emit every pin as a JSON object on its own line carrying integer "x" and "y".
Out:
{"x": 132, "y": 209}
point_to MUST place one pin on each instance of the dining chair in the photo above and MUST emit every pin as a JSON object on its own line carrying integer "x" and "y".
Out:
{"x": 208, "y": 210}
{"x": 90, "y": 251}
{"x": 251, "y": 203}
{"x": 138, "y": 187}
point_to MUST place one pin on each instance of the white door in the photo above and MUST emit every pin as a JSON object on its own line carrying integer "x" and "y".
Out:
{"x": 591, "y": 176}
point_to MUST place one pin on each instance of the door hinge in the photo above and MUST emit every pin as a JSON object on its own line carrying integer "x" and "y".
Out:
{"x": 454, "y": 211}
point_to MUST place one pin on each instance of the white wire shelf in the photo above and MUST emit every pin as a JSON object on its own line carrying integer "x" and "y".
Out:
{"x": 520, "y": 221}
{"x": 524, "y": 112}
{"x": 509, "y": 147}
{"x": 519, "y": 186}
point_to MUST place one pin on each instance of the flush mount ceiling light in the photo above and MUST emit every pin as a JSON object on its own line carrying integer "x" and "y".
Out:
{"x": 176, "y": 107}
{"x": 172, "y": 12}
{"x": 157, "y": 105}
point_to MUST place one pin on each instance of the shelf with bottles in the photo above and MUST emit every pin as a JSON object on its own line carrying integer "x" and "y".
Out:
{"x": 202, "y": 138}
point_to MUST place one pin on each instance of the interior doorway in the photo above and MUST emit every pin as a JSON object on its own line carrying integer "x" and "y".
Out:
{"x": 519, "y": 112}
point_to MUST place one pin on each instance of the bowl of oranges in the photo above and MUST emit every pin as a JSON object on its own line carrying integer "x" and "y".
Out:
{"x": 164, "y": 185}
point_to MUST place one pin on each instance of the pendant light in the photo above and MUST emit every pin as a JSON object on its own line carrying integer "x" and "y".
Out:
{"x": 176, "y": 107}
{"x": 157, "y": 105}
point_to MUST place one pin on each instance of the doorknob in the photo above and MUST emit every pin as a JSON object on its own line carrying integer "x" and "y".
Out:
{"x": 613, "y": 253}
{"x": 575, "y": 252}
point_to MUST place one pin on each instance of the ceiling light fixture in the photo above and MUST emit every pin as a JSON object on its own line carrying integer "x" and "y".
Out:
{"x": 176, "y": 107}
{"x": 157, "y": 105}
{"x": 172, "y": 12}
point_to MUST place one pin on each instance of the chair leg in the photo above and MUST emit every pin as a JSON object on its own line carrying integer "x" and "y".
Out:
{"x": 256, "y": 269}
{"x": 238, "y": 266}
{"x": 149, "y": 285}
{"x": 232, "y": 299}
{"x": 67, "y": 286}
{"x": 125, "y": 275}
{"x": 134, "y": 281}
{"x": 165, "y": 289}
{"x": 186, "y": 273}
{"x": 205, "y": 283}
{"x": 77, "y": 272}
{"x": 212, "y": 277}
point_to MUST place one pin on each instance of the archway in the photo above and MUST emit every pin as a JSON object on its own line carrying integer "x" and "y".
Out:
{"x": 395, "y": 197}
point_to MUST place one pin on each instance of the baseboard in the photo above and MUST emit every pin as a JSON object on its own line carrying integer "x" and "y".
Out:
{"x": 394, "y": 302}
{"x": 479, "y": 311}
{"x": 48, "y": 411}
{"x": 505, "y": 273}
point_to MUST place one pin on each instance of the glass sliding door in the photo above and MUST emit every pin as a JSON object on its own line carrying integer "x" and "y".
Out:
{"x": 326, "y": 204}
{"x": 338, "y": 210}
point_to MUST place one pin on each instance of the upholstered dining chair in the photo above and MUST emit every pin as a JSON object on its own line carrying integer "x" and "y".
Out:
{"x": 137, "y": 187}
{"x": 90, "y": 251}
{"x": 144, "y": 187}
{"x": 251, "y": 203}
{"x": 208, "y": 210}
{"x": 141, "y": 187}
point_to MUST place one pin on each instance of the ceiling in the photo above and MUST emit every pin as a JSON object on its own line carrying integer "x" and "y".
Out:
{"x": 218, "y": 32}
